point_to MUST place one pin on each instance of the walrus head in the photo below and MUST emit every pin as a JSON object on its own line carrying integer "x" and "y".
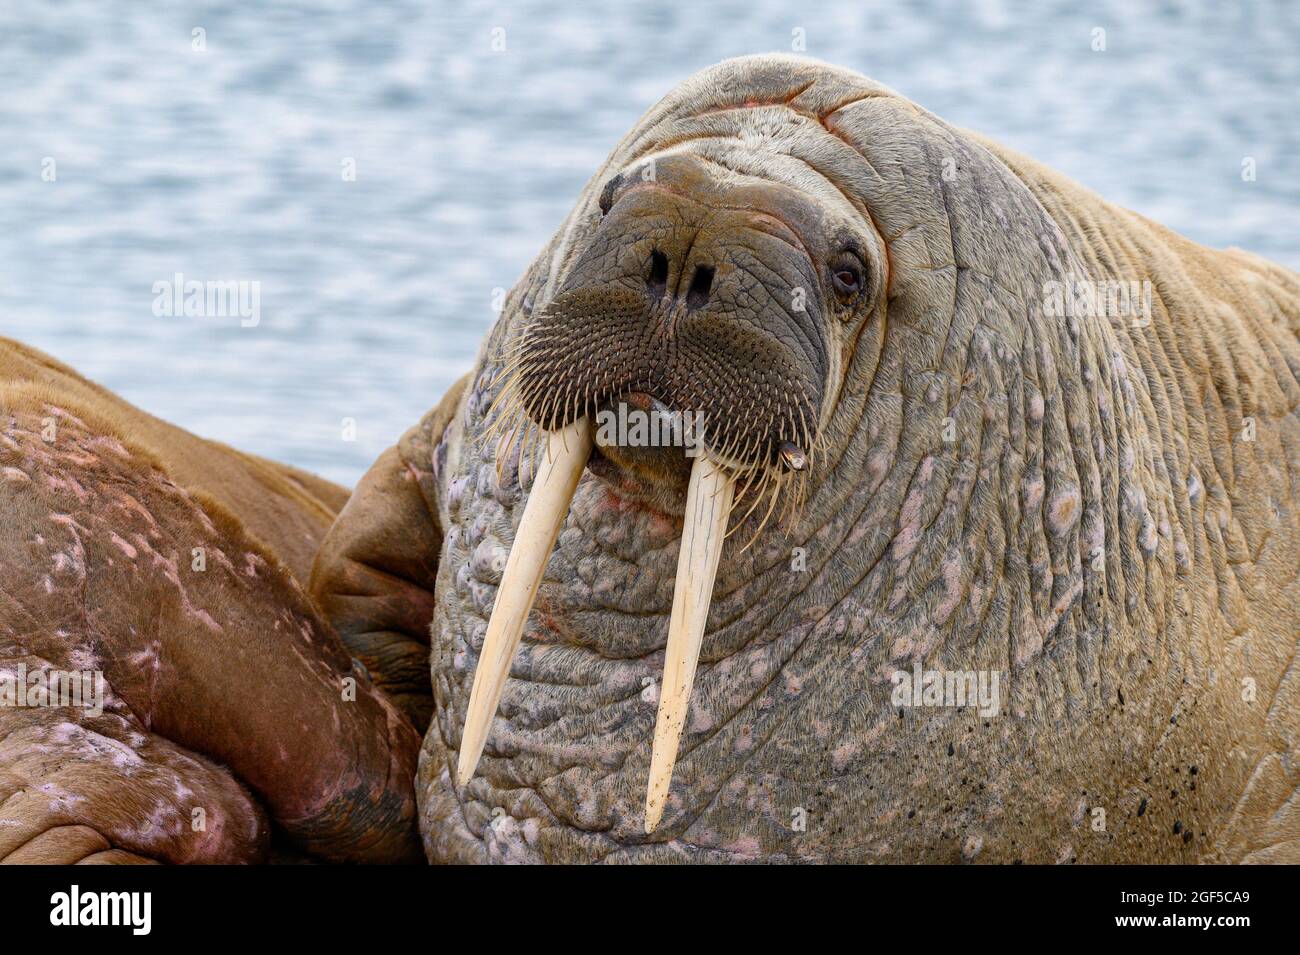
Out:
{"x": 707, "y": 292}
{"x": 848, "y": 291}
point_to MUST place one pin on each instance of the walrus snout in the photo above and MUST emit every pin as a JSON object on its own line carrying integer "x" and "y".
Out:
{"x": 709, "y": 299}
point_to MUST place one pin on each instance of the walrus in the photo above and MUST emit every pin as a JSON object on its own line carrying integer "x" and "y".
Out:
{"x": 168, "y": 692}
{"x": 926, "y": 450}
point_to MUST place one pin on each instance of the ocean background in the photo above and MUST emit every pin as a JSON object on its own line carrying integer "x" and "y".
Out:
{"x": 227, "y": 163}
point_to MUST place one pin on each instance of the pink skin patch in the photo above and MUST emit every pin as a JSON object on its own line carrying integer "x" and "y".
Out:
{"x": 67, "y": 416}
{"x": 124, "y": 501}
{"x": 1033, "y": 489}
{"x": 122, "y": 545}
{"x": 1063, "y": 512}
{"x": 611, "y": 499}
{"x": 877, "y": 466}
{"x": 952, "y": 590}
{"x": 1028, "y": 639}
{"x": 909, "y": 525}
{"x": 1148, "y": 538}
{"x": 168, "y": 567}
{"x": 842, "y": 755}
{"x": 746, "y": 847}
{"x": 110, "y": 444}
{"x": 926, "y": 470}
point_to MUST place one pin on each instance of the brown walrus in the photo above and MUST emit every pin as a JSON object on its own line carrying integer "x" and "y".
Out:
{"x": 977, "y": 422}
{"x": 170, "y": 565}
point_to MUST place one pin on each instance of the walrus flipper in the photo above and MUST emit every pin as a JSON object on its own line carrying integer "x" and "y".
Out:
{"x": 375, "y": 571}
{"x": 104, "y": 790}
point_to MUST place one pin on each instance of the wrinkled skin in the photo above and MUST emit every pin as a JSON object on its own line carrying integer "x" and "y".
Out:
{"x": 1103, "y": 514}
{"x": 226, "y": 710}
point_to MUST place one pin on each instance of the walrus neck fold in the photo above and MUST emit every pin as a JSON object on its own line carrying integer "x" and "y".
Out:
{"x": 708, "y": 506}
{"x": 562, "y": 464}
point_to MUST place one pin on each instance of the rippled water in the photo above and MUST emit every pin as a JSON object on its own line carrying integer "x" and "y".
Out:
{"x": 227, "y": 164}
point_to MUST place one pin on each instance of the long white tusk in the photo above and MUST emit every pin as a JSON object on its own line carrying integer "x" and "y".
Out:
{"x": 566, "y": 455}
{"x": 708, "y": 504}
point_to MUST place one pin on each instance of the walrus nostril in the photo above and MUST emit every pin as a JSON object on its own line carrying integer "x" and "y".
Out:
{"x": 698, "y": 294}
{"x": 658, "y": 280}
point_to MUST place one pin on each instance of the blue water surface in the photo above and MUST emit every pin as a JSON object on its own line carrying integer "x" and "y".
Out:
{"x": 227, "y": 163}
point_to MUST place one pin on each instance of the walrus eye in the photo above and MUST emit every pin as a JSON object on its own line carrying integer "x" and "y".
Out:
{"x": 607, "y": 194}
{"x": 847, "y": 279}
